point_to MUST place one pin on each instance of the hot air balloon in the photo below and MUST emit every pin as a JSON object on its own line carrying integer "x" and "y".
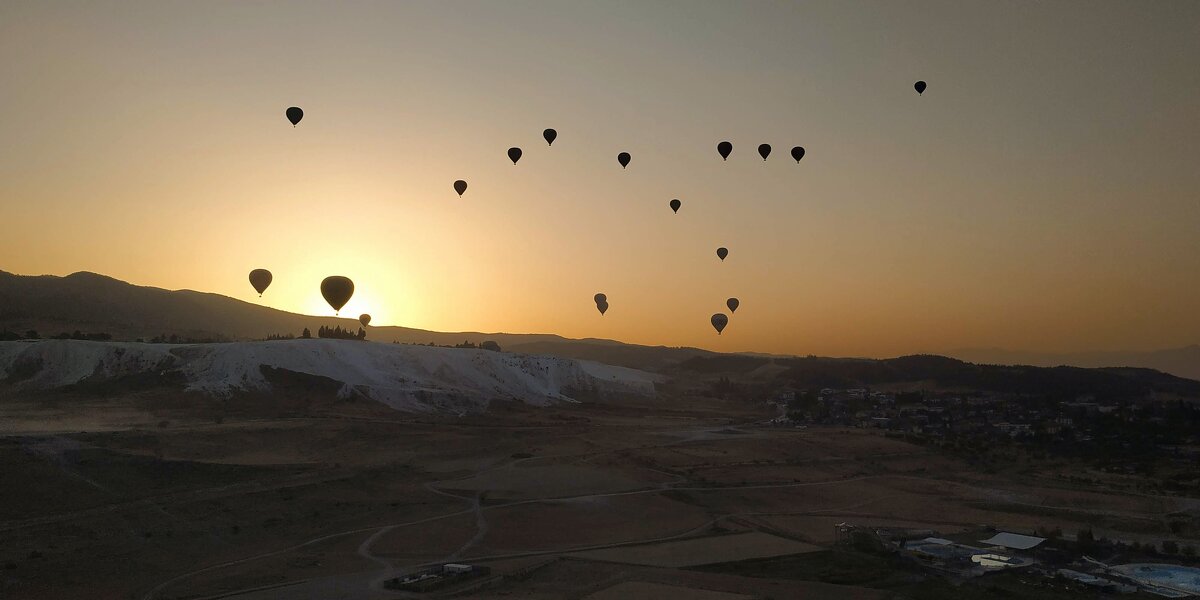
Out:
{"x": 337, "y": 291}
{"x": 600, "y": 298}
{"x": 675, "y": 204}
{"x": 294, "y": 114}
{"x": 365, "y": 319}
{"x": 920, "y": 87}
{"x": 798, "y": 153}
{"x": 550, "y": 136}
{"x": 460, "y": 186}
{"x": 722, "y": 253}
{"x": 764, "y": 150}
{"x": 732, "y": 303}
{"x": 260, "y": 279}
{"x": 719, "y": 321}
{"x": 514, "y": 154}
{"x": 623, "y": 158}
{"x": 724, "y": 149}
{"x": 602, "y": 307}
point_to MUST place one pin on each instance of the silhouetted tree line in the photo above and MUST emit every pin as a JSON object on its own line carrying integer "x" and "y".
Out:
{"x": 338, "y": 333}
{"x": 484, "y": 345}
{"x": 175, "y": 338}
{"x": 280, "y": 336}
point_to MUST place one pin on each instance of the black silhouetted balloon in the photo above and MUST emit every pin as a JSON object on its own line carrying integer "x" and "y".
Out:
{"x": 675, "y": 204}
{"x": 514, "y": 154}
{"x": 260, "y": 279}
{"x": 460, "y": 186}
{"x": 920, "y": 87}
{"x": 602, "y": 307}
{"x": 764, "y": 150}
{"x": 600, "y": 298}
{"x": 623, "y": 158}
{"x": 365, "y": 319}
{"x": 722, "y": 253}
{"x": 732, "y": 303}
{"x": 294, "y": 114}
{"x": 798, "y": 153}
{"x": 724, "y": 149}
{"x": 550, "y": 136}
{"x": 719, "y": 321}
{"x": 337, "y": 291}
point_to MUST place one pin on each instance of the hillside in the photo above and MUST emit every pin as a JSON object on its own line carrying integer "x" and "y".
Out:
{"x": 407, "y": 378}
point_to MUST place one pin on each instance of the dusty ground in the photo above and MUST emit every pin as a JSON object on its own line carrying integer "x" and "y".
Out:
{"x": 149, "y": 495}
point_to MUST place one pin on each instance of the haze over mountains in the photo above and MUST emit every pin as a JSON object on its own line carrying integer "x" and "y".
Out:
{"x": 90, "y": 302}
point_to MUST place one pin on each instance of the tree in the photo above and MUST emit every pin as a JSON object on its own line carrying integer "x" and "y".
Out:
{"x": 490, "y": 345}
{"x": 1086, "y": 539}
{"x": 306, "y": 334}
{"x": 32, "y": 334}
{"x": 1170, "y": 547}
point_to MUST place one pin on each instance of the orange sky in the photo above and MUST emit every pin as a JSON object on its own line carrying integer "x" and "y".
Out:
{"x": 1043, "y": 194}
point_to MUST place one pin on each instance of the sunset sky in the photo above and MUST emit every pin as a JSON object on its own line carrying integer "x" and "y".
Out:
{"x": 1043, "y": 194}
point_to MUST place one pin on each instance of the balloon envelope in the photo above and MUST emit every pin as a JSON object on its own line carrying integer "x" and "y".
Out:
{"x": 550, "y": 136}
{"x": 724, "y": 149}
{"x": 623, "y": 158}
{"x": 365, "y": 319}
{"x": 920, "y": 87}
{"x": 602, "y": 307}
{"x": 722, "y": 253}
{"x": 260, "y": 279}
{"x": 798, "y": 153}
{"x": 675, "y": 204}
{"x": 337, "y": 291}
{"x": 732, "y": 303}
{"x": 514, "y": 154}
{"x": 764, "y": 150}
{"x": 719, "y": 321}
{"x": 294, "y": 114}
{"x": 460, "y": 186}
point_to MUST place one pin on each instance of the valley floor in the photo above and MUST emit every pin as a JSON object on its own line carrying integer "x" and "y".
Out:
{"x": 143, "y": 496}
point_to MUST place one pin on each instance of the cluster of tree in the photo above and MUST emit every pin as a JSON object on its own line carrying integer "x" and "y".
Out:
{"x": 175, "y": 338}
{"x": 1087, "y": 542}
{"x": 280, "y": 336}
{"x": 484, "y": 345}
{"x": 341, "y": 334}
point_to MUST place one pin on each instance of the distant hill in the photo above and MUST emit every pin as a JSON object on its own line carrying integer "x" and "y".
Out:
{"x": 1184, "y": 362}
{"x": 89, "y": 302}
{"x": 940, "y": 372}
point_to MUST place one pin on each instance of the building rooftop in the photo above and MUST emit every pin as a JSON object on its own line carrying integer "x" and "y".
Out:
{"x": 1014, "y": 541}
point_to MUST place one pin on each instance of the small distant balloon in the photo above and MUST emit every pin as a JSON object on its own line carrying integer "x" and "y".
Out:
{"x": 602, "y": 307}
{"x": 514, "y": 154}
{"x": 600, "y": 298}
{"x": 724, "y": 149}
{"x": 732, "y": 303}
{"x": 337, "y": 291}
{"x": 764, "y": 150}
{"x": 550, "y": 136}
{"x": 719, "y": 321}
{"x": 460, "y": 186}
{"x": 365, "y": 319}
{"x": 623, "y": 158}
{"x": 798, "y": 153}
{"x": 722, "y": 253}
{"x": 294, "y": 114}
{"x": 920, "y": 87}
{"x": 260, "y": 279}
{"x": 675, "y": 204}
